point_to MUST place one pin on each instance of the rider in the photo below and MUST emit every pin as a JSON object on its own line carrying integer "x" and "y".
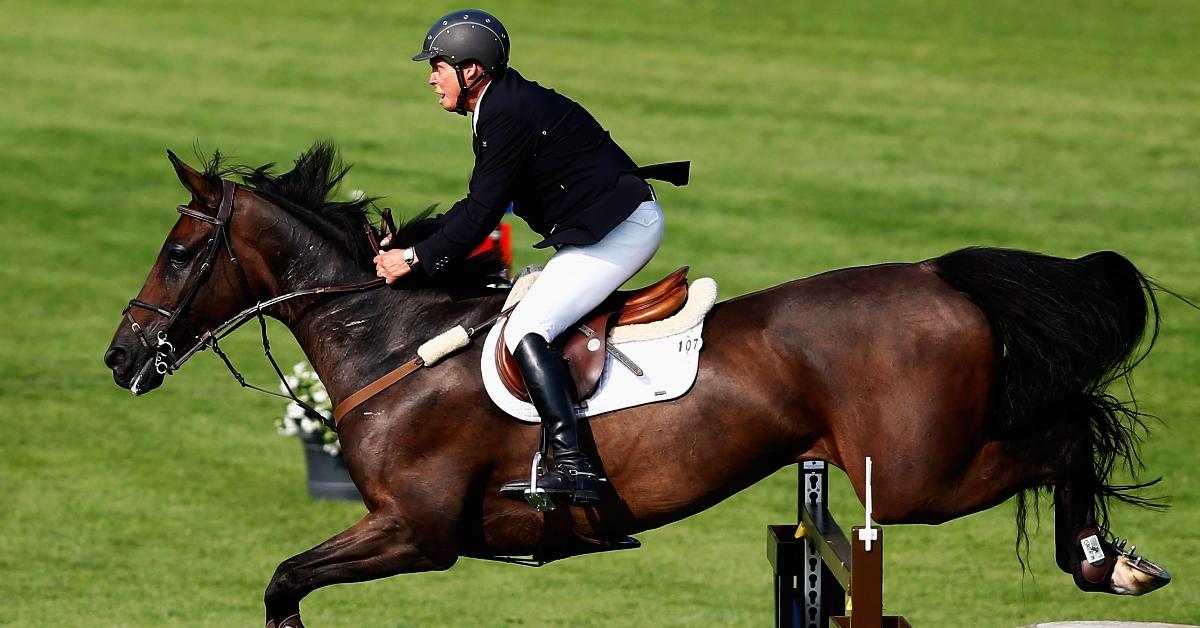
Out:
{"x": 568, "y": 179}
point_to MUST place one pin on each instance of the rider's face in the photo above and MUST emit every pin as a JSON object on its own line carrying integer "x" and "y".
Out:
{"x": 445, "y": 82}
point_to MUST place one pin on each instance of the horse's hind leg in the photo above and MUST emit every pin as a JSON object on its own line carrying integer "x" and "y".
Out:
{"x": 1082, "y": 549}
{"x": 381, "y": 544}
{"x": 934, "y": 494}
{"x": 992, "y": 476}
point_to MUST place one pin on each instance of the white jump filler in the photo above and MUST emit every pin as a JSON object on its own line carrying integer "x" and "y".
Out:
{"x": 868, "y": 534}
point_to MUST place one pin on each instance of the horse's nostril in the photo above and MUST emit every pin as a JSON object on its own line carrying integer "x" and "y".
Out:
{"x": 114, "y": 357}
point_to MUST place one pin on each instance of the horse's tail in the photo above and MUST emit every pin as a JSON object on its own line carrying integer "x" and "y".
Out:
{"x": 1065, "y": 329}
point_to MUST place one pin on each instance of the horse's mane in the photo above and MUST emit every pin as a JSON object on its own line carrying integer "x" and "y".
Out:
{"x": 304, "y": 192}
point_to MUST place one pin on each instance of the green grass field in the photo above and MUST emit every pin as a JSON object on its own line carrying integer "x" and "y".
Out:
{"x": 823, "y": 135}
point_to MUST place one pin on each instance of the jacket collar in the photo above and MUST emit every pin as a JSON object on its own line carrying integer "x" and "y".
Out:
{"x": 478, "y": 106}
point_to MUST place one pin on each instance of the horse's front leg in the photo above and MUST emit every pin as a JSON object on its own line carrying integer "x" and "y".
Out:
{"x": 383, "y": 543}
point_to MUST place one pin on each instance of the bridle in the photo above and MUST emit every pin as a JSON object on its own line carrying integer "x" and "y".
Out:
{"x": 166, "y": 361}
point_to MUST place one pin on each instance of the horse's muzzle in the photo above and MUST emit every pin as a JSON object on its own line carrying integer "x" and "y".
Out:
{"x": 137, "y": 376}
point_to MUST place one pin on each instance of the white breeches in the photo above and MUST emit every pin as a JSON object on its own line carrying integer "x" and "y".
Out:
{"x": 578, "y": 278}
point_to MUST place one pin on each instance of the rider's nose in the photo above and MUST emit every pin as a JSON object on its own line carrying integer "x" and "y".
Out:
{"x": 115, "y": 357}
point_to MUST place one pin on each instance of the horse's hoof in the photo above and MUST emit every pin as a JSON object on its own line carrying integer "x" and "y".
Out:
{"x": 1107, "y": 567}
{"x": 1134, "y": 575}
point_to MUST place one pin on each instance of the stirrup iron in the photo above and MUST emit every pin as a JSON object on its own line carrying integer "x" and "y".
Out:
{"x": 536, "y": 496}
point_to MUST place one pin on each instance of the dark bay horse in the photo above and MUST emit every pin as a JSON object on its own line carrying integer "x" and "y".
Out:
{"x": 968, "y": 378}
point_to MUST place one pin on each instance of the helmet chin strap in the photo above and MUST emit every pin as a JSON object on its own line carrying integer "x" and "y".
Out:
{"x": 464, "y": 90}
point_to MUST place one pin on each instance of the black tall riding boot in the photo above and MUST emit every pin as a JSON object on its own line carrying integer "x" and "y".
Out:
{"x": 549, "y": 386}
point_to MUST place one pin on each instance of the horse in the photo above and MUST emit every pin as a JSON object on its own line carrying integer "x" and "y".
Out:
{"x": 969, "y": 378}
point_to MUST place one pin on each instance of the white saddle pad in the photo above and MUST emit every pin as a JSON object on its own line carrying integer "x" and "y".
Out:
{"x": 667, "y": 351}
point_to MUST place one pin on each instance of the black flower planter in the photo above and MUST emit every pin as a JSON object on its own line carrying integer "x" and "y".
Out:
{"x": 327, "y": 475}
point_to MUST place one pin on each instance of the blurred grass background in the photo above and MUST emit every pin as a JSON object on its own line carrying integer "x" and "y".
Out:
{"x": 822, "y": 134}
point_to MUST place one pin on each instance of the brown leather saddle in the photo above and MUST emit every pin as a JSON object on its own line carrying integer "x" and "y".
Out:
{"x": 584, "y": 344}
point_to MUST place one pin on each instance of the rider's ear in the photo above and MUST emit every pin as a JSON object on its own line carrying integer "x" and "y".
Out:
{"x": 195, "y": 182}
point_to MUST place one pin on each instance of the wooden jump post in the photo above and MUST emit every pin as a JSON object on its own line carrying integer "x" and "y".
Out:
{"x": 816, "y": 566}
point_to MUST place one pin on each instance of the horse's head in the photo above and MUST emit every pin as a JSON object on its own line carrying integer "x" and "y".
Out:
{"x": 270, "y": 239}
{"x": 197, "y": 281}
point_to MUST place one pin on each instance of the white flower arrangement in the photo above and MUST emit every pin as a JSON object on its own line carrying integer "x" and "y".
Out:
{"x": 309, "y": 389}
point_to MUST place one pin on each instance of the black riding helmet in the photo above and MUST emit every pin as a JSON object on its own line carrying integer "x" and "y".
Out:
{"x": 467, "y": 35}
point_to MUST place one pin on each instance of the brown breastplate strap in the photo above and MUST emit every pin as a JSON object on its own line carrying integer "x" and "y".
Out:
{"x": 404, "y": 370}
{"x": 375, "y": 387}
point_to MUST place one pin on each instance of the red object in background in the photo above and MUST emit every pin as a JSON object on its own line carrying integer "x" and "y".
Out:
{"x": 500, "y": 238}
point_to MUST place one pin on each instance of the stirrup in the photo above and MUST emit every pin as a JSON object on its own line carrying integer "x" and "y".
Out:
{"x": 536, "y": 496}
{"x": 541, "y": 499}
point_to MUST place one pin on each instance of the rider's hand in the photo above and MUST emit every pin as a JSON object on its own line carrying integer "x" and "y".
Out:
{"x": 391, "y": 265}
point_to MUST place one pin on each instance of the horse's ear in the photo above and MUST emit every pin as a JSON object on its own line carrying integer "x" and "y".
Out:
{"x": 194, "y": 182}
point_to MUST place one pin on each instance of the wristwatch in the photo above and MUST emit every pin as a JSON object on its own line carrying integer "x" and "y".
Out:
{"x": 410, "y": 257}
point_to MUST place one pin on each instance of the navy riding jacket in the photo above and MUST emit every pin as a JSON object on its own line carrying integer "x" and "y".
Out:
{"x": 546, "y": 154}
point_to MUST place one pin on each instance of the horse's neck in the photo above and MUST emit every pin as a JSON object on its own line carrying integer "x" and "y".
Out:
{"x": 352, "y": 340}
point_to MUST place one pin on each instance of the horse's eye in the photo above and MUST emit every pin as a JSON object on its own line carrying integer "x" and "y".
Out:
{"x": 177, "y": 254}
